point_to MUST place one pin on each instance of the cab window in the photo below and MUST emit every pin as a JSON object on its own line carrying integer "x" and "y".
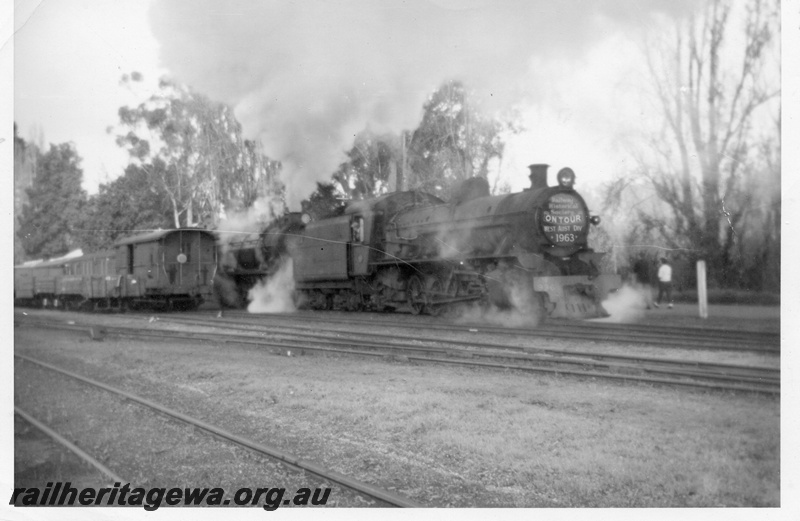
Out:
{"x": 357, "y": 229}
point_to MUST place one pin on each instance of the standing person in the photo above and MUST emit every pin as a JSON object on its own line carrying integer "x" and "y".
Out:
{"x": 664, "y": 282}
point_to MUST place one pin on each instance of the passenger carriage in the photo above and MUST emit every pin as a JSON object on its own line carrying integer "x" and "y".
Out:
{"x": 165, "y": 269}
{"x": 169, "y": 268}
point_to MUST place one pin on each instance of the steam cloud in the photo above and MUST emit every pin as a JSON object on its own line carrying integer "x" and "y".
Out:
{"x": 628, "y": 304}
{"x": 275, "y": 294}
{"x": 305, "y": 77}
{"x": 520, "y": 315}
{"x": 249, "y": 221}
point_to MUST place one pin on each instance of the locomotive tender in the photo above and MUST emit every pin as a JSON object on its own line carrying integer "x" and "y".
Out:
{"x": 527, "y": 250}
{"x": 170, "y": 269}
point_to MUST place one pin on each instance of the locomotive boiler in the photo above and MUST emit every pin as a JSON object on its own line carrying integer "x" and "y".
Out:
{"x": 528, "y": 251}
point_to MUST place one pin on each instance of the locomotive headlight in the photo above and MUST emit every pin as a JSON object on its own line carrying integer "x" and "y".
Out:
{"x": 595, "y": 219}
{"x": 566, "y": 178}
{"x": 305, "y": 218}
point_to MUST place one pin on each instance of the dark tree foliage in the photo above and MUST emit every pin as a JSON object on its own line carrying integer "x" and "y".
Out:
{"x": 370, "y": 162}
{"x": 326, "y": 201}
{"x": 453, "y": 142}
{"x": 54, "y": 206}
{"x": 26, "y": 157}
{"x": 254, "y": 176}
{"x": 125, "y": 206}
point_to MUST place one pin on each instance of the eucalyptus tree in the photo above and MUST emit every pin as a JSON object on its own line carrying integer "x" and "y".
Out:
{"x": 54, "y": 205}
{"x": 716, "y": 87}
{"x": 193, "y": 150}
{"x": 122, "y": 207}
{"x": 26, "y": 157}
{"x": 368, "y": 170}
{"x": 454, "y": 141}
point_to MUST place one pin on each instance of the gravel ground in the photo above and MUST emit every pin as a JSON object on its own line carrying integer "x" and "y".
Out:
{"x": 158, "y": 452}
{"x": 38, "y": 459}
{"x": 440, "y": 435}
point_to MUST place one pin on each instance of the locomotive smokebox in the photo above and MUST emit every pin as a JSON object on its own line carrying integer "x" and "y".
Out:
{"x": 538, "y": 176}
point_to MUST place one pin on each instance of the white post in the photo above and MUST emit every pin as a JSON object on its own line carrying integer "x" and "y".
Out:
{"x": 702, "y": 294}
{"x": 404, "y": 173}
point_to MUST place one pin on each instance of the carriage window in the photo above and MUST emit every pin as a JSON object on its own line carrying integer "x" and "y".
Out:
{"x": 130, "y": 259}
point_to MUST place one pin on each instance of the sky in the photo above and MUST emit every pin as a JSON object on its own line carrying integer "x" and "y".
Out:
{"x": 69, "y": 58}
{"x": 304, "y": 77}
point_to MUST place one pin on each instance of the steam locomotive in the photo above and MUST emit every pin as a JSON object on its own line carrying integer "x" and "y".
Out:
{"x": 411, "y": 250}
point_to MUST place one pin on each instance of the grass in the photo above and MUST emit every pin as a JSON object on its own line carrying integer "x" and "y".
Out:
{"x": 144, "y": 448}
{"x": 731, "y": 296}
{"x": 38, "y": 459}
{"x": 455, "y": 436}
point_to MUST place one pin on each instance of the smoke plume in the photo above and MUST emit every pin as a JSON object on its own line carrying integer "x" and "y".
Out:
{"x": 628, "y": 304}
{"x": 234, "y": 225}
{"x": 305, "y": 77}
{"x": 522, "y": 310}
{"x": 275, "y": 294}
{"x": 475, "y": 314}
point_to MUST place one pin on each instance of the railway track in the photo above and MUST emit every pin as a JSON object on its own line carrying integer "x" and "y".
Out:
{"x": 664, "y": 336}
{"x": 288, "y": 339}
{"x": 385, "y": 496}
{"x": 71, "y": 447}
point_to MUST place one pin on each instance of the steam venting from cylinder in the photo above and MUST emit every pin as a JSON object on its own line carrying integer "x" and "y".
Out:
{"x": 538, "y": 176}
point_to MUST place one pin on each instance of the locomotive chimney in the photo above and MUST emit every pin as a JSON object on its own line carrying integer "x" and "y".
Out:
{"x": 538, "y": 176}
